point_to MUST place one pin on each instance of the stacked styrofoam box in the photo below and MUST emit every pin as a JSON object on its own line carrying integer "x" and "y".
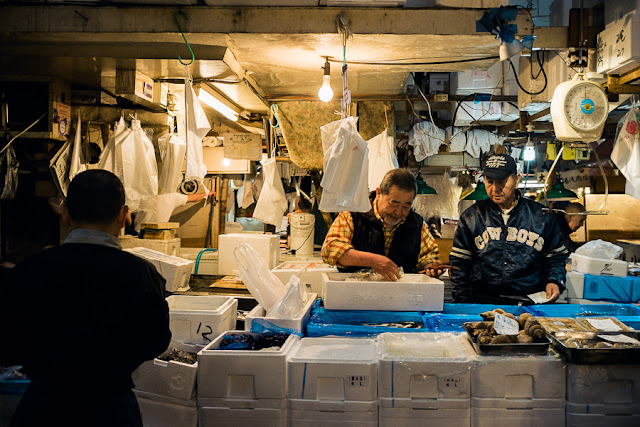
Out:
{"x": 468, "y": 82}
{"x": 199, "y": 319}
{"x": 309, "y": 272}
{"x": 243, "y": 387}
{"x": 600, "y": 395}
{"x": 598, "y": 266}
{"x": 424, "y": 379}
{"x": 618, "y": 48}
{"x": 166, "y": 246}
{"x": 166, "y": 390}
{"x": 208, "y": 263}
{"x": 257, "y": 318}
{"x": 175, "y": 270}
{"x": 267, "y": 245}
{"x": 575, "y": 284}
{"x": 616, "y": 9}
{"x": 413, "y": 292}
{"x": 518, "y": 390}
{"x": 333, "y": 381}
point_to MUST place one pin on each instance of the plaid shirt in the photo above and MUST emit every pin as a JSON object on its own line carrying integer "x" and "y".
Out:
{"x": 338, "y": 240}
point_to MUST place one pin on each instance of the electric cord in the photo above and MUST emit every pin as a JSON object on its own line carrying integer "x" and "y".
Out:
{"x": 515, "y": 74}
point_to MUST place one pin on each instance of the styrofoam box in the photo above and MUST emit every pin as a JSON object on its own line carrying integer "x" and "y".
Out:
{"x": 518, "y": 377}
{"x": 168, "y": 378}
{"x": 598, "y": 266}
{"x": 599, "y": 420}
{"x": 175, "y": 270}
{"x": 257, "y": 317}
{"x": 226, "y": 417}
{"x": 333, "y": 369}
{"x": 465, "y": 82}
{"x": 609, "y": 409}
{"x": 618, "y": 54}
{"x": 267, "y": 245}
{"x": 405, "y": 413}
{"x": 242, "y": 374}
{"x": 470, "y": 112}
{"x": 166, "y": 246}
{"x": 208, "y": 260}
{"x": 309, "y": 272}
{"x": 162, "y": 411}
{"x": 199, "y": 319}
{"x": 575, "y": 284}
{"x": 413, "y": 292}
{"x": 431, "y": 366}
{"x": 327, "y": 414}
{"x": 509, "y": 417}
{"x": 603, "y": 384}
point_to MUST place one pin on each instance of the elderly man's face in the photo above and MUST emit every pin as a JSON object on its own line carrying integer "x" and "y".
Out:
{"x": 575, "y": 221}
{"x": 502, "y": 192}
{"x": 395, "y": 206}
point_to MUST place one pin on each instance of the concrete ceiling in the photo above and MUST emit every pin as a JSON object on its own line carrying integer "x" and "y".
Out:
{"x": 276, "y": 53}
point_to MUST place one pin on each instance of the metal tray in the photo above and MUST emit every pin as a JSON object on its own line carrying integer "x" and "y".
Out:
{"x": 630, "y": 356}
{"x": 515, "y": 349}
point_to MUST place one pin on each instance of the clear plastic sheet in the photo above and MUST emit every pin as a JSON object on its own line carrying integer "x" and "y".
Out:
{"x": 265, "y": 287}
{"x": 600, "y": 249}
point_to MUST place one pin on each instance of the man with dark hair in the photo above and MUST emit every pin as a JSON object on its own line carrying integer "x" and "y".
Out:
{"x": 506, "y": 247}
{"x": 389, "y": 236}
{"x": 569, "y": 222}
{"x": 82, "y": 316}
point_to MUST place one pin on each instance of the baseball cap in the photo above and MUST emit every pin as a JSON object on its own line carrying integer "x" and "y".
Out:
{"x": 499, "y": 166}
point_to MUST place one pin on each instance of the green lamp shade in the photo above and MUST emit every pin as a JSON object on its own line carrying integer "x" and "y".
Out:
{"x": 423, "y": 187}
{"x": 559, "y": 193}
{"x": 480, "y": 193}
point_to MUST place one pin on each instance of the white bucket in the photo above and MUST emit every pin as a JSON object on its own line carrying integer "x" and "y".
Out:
{"x": 301, "y": 239}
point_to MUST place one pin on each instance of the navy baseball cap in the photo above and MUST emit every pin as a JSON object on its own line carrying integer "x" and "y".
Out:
{"x": 499, "y": 166}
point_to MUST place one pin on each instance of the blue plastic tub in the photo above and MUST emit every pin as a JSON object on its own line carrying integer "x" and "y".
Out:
{"x": 581, "y": 310}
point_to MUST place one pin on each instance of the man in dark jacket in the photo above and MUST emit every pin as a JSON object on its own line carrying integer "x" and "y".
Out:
{"x": 82, "y": 316}
{"x": 387, "y": 237}
{"x": 506, "y": 247}
{"x": 569, "y": 222}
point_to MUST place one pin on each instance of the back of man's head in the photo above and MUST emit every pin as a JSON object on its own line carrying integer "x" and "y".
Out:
{"x": 401, "y": 178}
{"x": 95, "y": 196}
{"x": 573, "y": 208}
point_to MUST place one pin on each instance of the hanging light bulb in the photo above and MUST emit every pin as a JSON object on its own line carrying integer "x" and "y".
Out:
{"x": 529, "y": 152}
{"x": 326, "y": 93}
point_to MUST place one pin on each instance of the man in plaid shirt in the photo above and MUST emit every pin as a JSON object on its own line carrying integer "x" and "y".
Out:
{"x": 387, "y": 237}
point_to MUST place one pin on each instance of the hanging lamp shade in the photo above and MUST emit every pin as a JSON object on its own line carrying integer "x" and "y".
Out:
{"x": 423, "y": 187}
{"x": 479, "y": 193}
{"x": 559, "y": 194}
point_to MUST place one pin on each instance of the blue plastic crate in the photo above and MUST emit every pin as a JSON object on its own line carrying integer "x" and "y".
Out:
{"x": 481, "y": 308}
{"x": 581, "y": 310}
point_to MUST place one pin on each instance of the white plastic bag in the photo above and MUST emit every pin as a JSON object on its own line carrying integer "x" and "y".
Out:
{"x": 78, "y": 162}
{"x": 626, "y": 152}
{"x": 426, "y": 139}
{"x": 272, "y": 203}
{"x": 600, "y": 249}
{"x": 139, "y": 167}
{"x": 457, "y": 139}
{"x": 111, "y": 157}
{"x": 265, "y": 287}
{"x": 345, "y": 181}
{"x": 197, "y": 126}
{"x": 381, "y": 158}
{"x": 291, "y": 305}
{"x": 172, "y": 151}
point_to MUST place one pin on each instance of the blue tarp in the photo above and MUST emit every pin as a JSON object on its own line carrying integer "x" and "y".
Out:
{"x": 613, "y": 289}
{"x": 578, "y": 310}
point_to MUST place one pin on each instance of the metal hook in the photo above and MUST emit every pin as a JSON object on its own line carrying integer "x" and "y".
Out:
{"x": 175, "y": 18}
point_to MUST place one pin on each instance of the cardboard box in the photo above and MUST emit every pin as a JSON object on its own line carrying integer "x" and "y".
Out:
{"x": 175, "y": 270}
{"x": 598, "y": 266}
{"x": 200, "y": 319}
{"x": 413, "y": 292}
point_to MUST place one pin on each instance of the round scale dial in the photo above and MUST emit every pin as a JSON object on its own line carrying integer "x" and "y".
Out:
{"x": 586, "y": 106}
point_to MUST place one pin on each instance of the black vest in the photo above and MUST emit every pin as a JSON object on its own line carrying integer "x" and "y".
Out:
{"x": 368, "y": 236}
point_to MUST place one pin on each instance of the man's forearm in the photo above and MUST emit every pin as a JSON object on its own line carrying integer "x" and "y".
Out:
{"x": 356, "y": 258}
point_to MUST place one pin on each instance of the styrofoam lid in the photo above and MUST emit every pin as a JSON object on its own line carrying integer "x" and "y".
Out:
{"x": 335, "y": 349}
{"x": 420, "y": 345}
{"x": 197, "y": 302}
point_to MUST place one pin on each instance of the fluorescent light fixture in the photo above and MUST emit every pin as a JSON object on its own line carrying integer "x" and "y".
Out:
{"x": 529, "y": 152}
{"x": 213, "y": 102}
{"x": 531, "y": 185}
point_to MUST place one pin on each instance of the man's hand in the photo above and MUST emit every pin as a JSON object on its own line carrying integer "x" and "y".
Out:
{"x": 553, "y": 292}
{"x": 436, "y": 269}
{"x": 383, "y": 265}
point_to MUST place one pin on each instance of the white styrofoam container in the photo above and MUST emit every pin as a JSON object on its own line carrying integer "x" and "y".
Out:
{"x": 598, "y": 266}
{"x": 208, "y": 263}
{"x": 162, "y": 411}
{"x": 267, "y": 245}
{"x": 175, "y": 270}
{"x": 480, "y": 81}
{"x": 200, "y": 319}
{"x": 427, "y": 413}
{"x": 226, "y": 417}
{"x": 618, "y": 46}
{"x": 603, "y": 384}
{"x": 309, "y": 272}
{"x": 303, "y": 413}
{"x": 413, "y": 292}
{"x": 166, "y": 246}
{"x": 295, "y": 324}
{"x": 509, "y": 417}
{"x": 338, "y": 370}
{"x": 471, "y": 111}
{"x": 575, "y": 284}
{"x": 607, "y": 409}
{"x": 242, "y": 374}
{"x": 431, "y": 366}
{"x": 168, "y": 378}
{"x": 516, "y": 377}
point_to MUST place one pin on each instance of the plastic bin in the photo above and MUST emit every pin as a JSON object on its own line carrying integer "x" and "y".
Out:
{"x": 200, "y": 319}
{"x": 576, "y": 310}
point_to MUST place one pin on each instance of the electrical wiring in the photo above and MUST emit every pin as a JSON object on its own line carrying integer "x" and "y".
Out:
{"x": 541, "y": 64}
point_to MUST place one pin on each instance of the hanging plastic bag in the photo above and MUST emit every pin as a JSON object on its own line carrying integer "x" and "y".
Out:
{"x": 426, "y": 139}
{"x": 172, "y": 151}
{"x": 197, "y": 126}
{"x": 139, "y": 167}
{"x": 272, "y": 203}
{"x": 265, "y": 287}
{"x": 8, "y": 173}
{"x": 457, "y": 139}
{"x": 345, "y": 181}
{"x": 600, "y": 249}
{"x": 111, "y": 157}
{"x": 626, "y": 152}
{"x": 78, "y": 162}
{"x": 292, "y": 303}
{"x": 381, "y": 158}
